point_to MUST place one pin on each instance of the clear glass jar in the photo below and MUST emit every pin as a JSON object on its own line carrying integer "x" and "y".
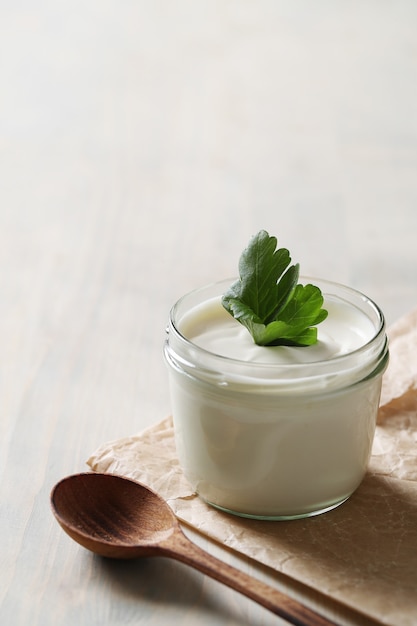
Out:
{"x": 275, "y": 440}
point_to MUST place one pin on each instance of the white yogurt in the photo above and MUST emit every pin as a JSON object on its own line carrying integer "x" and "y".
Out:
{"x": 275, "y": 432}
{"x": 211, "y": 327}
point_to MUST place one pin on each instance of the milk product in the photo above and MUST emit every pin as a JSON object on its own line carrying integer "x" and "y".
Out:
{"x": 275, "y": 432}
{"x": 211, "y": 327}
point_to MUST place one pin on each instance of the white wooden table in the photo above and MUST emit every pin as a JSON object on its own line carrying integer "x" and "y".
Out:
{"x": 141, "y": 145}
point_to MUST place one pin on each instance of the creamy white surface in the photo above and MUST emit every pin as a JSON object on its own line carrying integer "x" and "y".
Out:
{"x": 211, "y": 327}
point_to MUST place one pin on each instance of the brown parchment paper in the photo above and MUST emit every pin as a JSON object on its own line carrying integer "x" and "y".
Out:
{"x": 362, "y": 554}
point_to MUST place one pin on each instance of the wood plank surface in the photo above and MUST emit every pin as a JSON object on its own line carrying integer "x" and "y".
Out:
{"x": 141, "y": 145}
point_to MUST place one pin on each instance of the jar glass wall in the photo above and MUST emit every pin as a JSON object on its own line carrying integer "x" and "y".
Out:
{"x": 275, "y": 440}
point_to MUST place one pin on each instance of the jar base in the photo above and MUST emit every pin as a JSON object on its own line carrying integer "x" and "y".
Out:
{"x": 276, "y": 518}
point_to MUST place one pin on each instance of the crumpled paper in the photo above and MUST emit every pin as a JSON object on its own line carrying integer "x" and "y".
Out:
{"x": 362, "y": 554}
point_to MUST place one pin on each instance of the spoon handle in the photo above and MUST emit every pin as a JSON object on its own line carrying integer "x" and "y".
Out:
{"x": 183, "y": 549}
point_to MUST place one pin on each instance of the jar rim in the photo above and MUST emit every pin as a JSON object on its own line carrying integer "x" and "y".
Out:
{"x": 374, "y": 349}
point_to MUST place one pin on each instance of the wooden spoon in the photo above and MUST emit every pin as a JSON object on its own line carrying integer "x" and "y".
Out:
{"x": 119, "y": 518}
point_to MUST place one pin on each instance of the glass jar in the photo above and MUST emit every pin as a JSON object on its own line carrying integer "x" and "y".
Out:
{"x": 278, "y": 439}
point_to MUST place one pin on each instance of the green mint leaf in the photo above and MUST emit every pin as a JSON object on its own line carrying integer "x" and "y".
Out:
{"x": 267, "y": 300}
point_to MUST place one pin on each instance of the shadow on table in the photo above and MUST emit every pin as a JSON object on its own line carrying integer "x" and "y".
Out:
{"x": 159, "y": 581}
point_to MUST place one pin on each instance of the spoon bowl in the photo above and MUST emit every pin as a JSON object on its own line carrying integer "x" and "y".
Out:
{"x": 112, "y": 516}
{"x": 120, "y": 518}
